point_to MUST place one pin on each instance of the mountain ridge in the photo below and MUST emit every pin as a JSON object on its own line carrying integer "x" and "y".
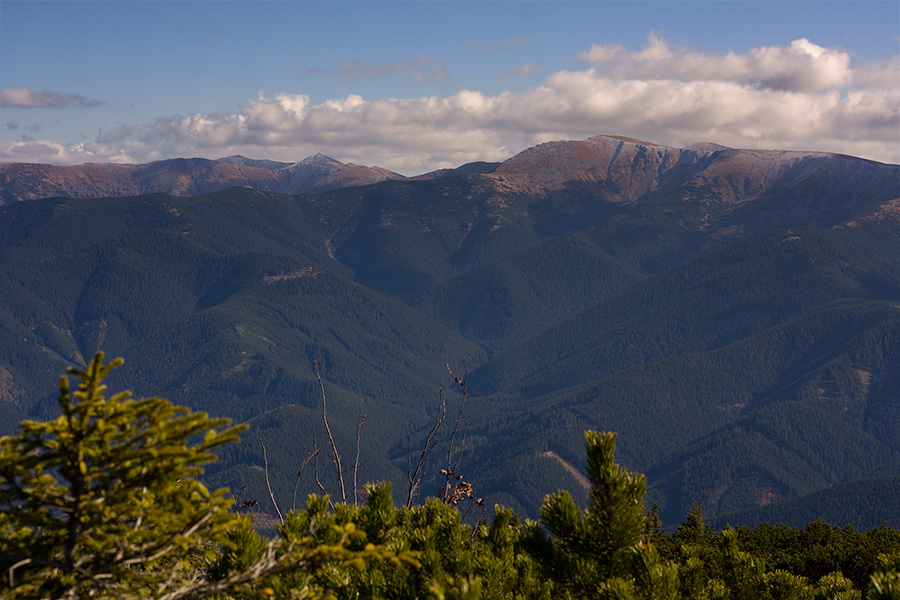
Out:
{"x": 600, "y": 164}
{"x": 182, "y": 177}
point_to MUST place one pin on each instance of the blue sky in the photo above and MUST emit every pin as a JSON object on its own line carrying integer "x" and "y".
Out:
{"x": 414, "y": 86}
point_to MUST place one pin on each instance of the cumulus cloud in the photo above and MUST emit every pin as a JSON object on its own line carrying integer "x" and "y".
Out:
{"x": 800, "y": 66}
{"x": 879, "y": 74}
{"x": 25, "y": 98}
{"x": 834, "y": 107}
{"x": 49, "y": 151}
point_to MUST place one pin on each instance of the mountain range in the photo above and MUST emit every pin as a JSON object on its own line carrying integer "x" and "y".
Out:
{"x": 733, "y": 314}
{"x": 182, "y": 177}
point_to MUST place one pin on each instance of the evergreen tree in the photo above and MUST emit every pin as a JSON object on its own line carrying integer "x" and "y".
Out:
{"x": 103, "y": 503}
{"x": 885, "y": 583}
{"x": 601, "y": 552}
{"x": 103, "y": 499}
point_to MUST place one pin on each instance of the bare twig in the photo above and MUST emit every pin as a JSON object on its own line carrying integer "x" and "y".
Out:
{"x": 360, "y": 419}
{"x": 446, "y": 493}
{"x": 413, "y": 475}
{"x": 465, "y": 435}
{"x": 335, "y": 455}
{"x": 480, "y": 520}
{"x": 275, "y": 559}
{"x": 268, "y": 485}
{"x": 316, "y": 470}
{"x": 239, "y": 503}
{"x": 299, "y": 473}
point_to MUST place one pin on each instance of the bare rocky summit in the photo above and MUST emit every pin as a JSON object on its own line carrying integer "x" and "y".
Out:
{"x": 627, "y": 170}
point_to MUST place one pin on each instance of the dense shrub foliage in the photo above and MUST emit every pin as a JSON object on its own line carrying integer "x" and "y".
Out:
{"x": 103, "y": 503}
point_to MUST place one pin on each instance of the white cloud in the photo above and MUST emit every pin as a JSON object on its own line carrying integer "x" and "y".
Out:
{"x": 883, "y": 74}
{"x": 800, "y": 66}
{"x": 48, "y": 151}
{"x": 801, "y": 96}
{"x": 25, "y": 98}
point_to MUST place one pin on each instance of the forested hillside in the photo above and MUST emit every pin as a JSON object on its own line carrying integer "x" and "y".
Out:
{"x": 734, "y": 315}
{"x": 106, "y": 502}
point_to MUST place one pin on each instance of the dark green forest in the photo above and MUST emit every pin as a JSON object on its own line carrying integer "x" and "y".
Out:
{"x": 745, "y": 349}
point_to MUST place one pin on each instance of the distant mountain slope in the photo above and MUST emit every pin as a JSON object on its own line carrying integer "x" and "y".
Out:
{"x": 625, "y": 170}
{"x": 780, "y": 396}
{"x": 466, "y": 169}
{"x": 237, "y": 159}
{"x": 181, "y": 177}
{"x": 235, "y": 334}
{"x": 863, "y": 504}
{"x": 733, "y": 314}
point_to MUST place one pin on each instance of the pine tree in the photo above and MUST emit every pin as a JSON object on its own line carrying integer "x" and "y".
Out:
{"x": 103, "y": 503}
{"x": 885, "y": 583}
{"x": 103, "y": 500}
{"x": 600, "y": 552}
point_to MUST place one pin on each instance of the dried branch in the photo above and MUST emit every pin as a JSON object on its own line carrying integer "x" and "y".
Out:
{"x": 360, "y": 419}
{"x": 480, "y": 520}
{"x": 414, "y": 476}
{"x": 446, "y": 494}
{"x": 316, "y": 470}
{"x": 300, "y": 472}
{"x": 465, "y": 435}
{"x": 268, "y": 485}
{"x": 335, "y": 455}
{"x": 239, "y": 503}
{"x": 273, "y": 561}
